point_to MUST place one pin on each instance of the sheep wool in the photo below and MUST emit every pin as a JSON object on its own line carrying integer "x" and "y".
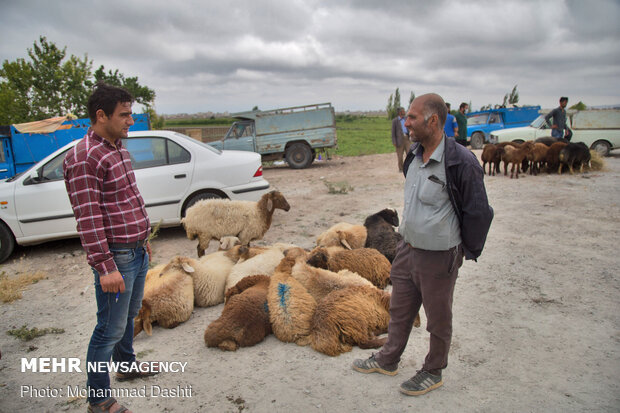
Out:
{"x": 343, "y": 234}
{"x": 245, "y": 318}
{"x": 218, "y": 218}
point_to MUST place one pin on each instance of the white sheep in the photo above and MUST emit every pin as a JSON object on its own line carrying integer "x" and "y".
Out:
{"x": 264, "y": 261}
{"x": 217, "y": 218}
{"x": 168, "y": 298}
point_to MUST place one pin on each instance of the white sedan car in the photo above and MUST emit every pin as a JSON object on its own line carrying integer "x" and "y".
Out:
{"x": 172, "y": 170}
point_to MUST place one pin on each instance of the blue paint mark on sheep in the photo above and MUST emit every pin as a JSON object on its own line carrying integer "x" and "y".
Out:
{"x": 283, "y": 293}
{"x": 266, "y": 306}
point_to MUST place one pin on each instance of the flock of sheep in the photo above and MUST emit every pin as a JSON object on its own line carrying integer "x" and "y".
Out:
{"x": 331, "y": 297}
{"x": 543, "y": 153}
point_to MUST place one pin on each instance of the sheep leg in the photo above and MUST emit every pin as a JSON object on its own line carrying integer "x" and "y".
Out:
{"x": 228, "y": 345}
{"x": 372, "y": 342}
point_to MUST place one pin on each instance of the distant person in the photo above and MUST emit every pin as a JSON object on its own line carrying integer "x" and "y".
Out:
{"x": 461, "y": 121}
{"x": 451, "y": 128}
{"x": 114, "y": 228}
{"x": 400, "y": 137}
{"x": 446, "y": 218}
{"x": 558, "y": 126}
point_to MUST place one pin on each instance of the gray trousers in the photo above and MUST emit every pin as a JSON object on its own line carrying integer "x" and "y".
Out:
{"x": 421, "y": 277}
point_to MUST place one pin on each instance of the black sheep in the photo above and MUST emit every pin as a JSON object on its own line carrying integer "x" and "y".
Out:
{"x": 574, "y": 154}
{"x": 381, "y": 233}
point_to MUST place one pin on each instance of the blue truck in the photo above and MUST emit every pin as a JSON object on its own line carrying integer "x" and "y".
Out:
{"x": 25, "y": 144}
{"x": 294, "y": 133}
{"x": 480, "y": 124}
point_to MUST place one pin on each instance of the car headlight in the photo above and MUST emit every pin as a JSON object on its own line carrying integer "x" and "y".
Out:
{"x": 493, "y": 138}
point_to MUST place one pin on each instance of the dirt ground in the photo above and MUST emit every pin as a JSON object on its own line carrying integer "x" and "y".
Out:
{"x": 536, "y": 319}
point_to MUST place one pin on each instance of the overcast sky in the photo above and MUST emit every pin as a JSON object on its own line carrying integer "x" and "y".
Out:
{"x": 222, "y": 55}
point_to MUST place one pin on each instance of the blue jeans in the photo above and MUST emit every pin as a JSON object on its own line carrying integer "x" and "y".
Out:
{"x": 113, "y": 334}
{"x": 557, "y": 133}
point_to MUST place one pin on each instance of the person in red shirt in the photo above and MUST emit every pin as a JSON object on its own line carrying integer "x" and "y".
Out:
{"x": 114, "y": 228}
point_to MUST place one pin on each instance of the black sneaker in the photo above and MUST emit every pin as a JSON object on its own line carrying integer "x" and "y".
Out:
{"x": 370, "y": 365}
{"x": 421, "y": 383}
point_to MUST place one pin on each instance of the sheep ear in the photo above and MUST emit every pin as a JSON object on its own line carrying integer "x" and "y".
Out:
{"x": 187, "y": 268}
{"x": 269, "y": 205}
{"x": 148, "y": 328}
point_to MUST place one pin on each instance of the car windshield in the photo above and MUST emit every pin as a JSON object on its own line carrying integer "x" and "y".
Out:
{"x": 539, "y": 122}
{"x": 477, "y": 119}
{"x": 205, "y": 145}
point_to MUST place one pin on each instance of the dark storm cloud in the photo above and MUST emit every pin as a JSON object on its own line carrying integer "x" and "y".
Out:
{"x": 208, "y": 55}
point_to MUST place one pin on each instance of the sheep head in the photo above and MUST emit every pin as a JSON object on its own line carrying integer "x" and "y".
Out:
{"x": 184, "y": 264}
{"x": 318, "y": 258}
{"x": 275, "y": 200}
{"x": 228, "y": 242}
{"x": 390, "y": 216}
{"x": 143, "y": 320}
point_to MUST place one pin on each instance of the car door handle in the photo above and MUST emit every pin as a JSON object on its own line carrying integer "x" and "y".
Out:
{"x": 180, "y": 176}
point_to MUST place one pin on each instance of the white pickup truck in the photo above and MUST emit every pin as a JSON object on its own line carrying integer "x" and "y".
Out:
{"x": 599, "y": 129}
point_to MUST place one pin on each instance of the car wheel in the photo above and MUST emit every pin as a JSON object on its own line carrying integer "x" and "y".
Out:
{"x": 299, "y": 155}
{"x": 200, "y": 197}
{"x": 7, "y": 242}
{"x": 601, "y": 147}
{"x": 477, "y": 140}
{"x": 519, "y": 141}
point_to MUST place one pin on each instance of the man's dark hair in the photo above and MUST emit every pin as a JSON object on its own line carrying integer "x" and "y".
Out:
{"x": 106, "y": 97}
{"x": 463, "y": 105}
{"x": 448, "y": 105}
{"x": 563, "y": 99}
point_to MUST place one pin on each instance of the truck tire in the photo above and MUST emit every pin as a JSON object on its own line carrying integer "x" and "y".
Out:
{"x": 602, "y": 147}
{"x": 477, "y": 140}
{"x": 298, "y": 155}
{"x": 7, "y": 242}
{"x": 200, "y": 197}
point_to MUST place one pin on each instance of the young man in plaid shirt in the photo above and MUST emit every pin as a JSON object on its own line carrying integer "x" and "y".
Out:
{"x": 113, "y": 227}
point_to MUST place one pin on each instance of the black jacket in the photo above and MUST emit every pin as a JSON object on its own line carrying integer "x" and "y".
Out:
{"x": 467, "y": 194}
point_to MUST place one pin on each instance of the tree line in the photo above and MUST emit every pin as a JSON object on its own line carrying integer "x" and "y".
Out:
{"x": 51, "y": 83}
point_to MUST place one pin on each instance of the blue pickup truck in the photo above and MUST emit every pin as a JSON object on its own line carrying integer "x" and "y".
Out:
{"x": 481, "y": 124}
{"x": 25, "y": 144}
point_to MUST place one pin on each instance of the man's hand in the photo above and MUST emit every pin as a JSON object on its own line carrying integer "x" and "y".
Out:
{"x": 112, "y": 282}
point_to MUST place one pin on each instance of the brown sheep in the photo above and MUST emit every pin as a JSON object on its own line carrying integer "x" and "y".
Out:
{"x": 515, "y": 156}
{"x": 168, "y": 298}
{"x": 348, "y": 317}
{"x": 524, "y": 163}
{"x": 491, "y": 154}
{"x": 537, "y": 157}
{"x": 344, "y": 235}
{"x": 291, "y": 307}
{"x": 553, "y": 156}
{"x": 245, "y": 318}
{"x": 367, "y": 262}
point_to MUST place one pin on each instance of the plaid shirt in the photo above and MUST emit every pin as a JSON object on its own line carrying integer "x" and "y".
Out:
{"x": 106, "y": 202}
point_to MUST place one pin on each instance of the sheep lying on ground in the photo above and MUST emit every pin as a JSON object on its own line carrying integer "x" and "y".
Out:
{"x": 264, "y": 263}
{"x": 291, "y": 307}
{"x": 168, "y": 298}
{"x": 367, "y": 262}
{"x": 348, "y": 317}
{"x": 227, "y": 243}
{"x": 245, "y": 318}
{"x": 217, "y": 218}
{"x": 381, "y": 234}
{"x": 343, "y": 234}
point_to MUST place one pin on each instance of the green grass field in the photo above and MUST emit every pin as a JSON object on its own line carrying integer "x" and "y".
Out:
{"x": 357, "y": 135}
